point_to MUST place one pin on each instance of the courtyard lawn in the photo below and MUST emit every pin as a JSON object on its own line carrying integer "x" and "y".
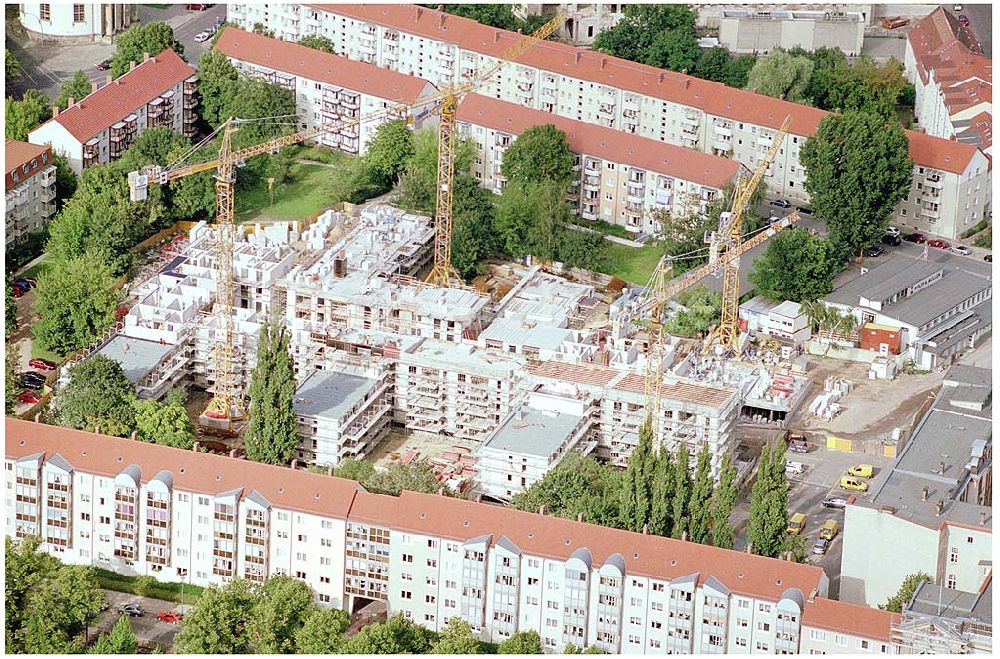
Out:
{"x": 312, "y": 188}
{"x": 633, "y": 264}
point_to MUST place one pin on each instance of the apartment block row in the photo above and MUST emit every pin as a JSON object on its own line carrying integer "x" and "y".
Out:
{"x": 183, "y": 516}
{"x": 619, "y": 178}
{"x": 30, "y": 184}
{"x": 328, "y": 89}
{"x": 629, "y": 97}
{"x": 97, "y": 129}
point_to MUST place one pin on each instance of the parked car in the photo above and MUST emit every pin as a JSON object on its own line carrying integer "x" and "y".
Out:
{"x": 853, "y": 484}
{"x": 172, "y": 617}
{"x": 42, "y": 364}
{"x": 793, "y": 467}
{"x": 940, "y": 244}
{"x": 21, "y": 286}
{"x": 829, "y": 529}
{"x": 781, "y": 203}
{"x": 820, "y": 546}
{"x": 205, "y": 35}
{"x": 16, "y": 291}
{"x": 892, "y": 230}
{"x": 875, "y": 250}
{"x": 963, "y": 19}
{"x": 805, "y": 210}
{"x": 103, "y": 65}
{"x": 835, "y": 502}
{"x": 891, "y": 240}
{"x": 918, "y": 238}
{"x": 131, "y": 609}
{"x": 796, "y": 442}
{"x": 198, "y": 6}
{"x": 29, "y": 398}
{"x": 796, "y": 524}
{"x": 34, "y": 385}
{"x": 988, "y": 258}
{"x": 862, "y": 471}
{"x": 964, "y": 250}
{"x": 30, "y": 282}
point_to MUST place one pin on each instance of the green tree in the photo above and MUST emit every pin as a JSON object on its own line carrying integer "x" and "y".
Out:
{"x": 221, "y": 621}
{"x": 218, "y": 83}
{"x": 10, "y": 311}
{"x": 635, "y": 34}
{"x": 389, "y": 151}
{"x": 675, "y": 50}
{"x": 577, "y": 486}
{"x": 321, "y": 631}
{"x": 582, "y": 249}
{"x": 418, "y": 183}
{"x": 141, "y": 39}
{"x": 516, "y": 211}
{"x": 766, "y": 530}
{"x": 702, "y": 309}
{"x": 781, "y": 75}
{"x": 699, "y": 525}
{"x": 397, "y": 635}
{"x": 712, "y": 64}
{"x": 456, "y": 638}
{"x": 75, "y": 302}
{"x": 143, "y": 585}
{"x": 77, "y": 88}
{"x": 472, "y": 226}
{"x": 905, "y": 593}
{"x": 25, "y": 569}
{"x": 392, "y": 480}
{"x": 11, "y": 385}
{"x": 637, "y": 486}
{"x": 271, "y": 435}
{"x": 12, "y": 67}
{"x": 494, "y": 15}
{"x": 681, "y": 502}
{"x": 159, "y": 423}
{"x": 318, "y": 42}
{"x": 864, "y": 85}
{"x": 282, "y": 608}
{"x": 98, "y": 393}
{"x": 663, "y": 493}
{"x": 539, "y": 154}
{"x": 526, "y": 642}
{"x": 22, "y": 117}
{"x": 66, "y": 181}
{"x": 58, "y": 610}
{"x": 738, "y": 71}
{"x": 121, "y": 639}
{"x": 857, "y": 171}
{"x": 795, "y": 266}
{"x": 723, "y": 503}
{"x": 261, "y": 29}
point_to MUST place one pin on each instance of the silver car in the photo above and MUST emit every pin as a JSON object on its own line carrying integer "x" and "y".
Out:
{"x": 961, "y": 249}
{"x": 820, "y": 546}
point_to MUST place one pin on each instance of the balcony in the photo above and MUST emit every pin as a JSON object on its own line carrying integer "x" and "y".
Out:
{"x": 764, "y": 142}
{"x": 48, "y": 175}
{"x": 591, "y": 183}
{"x": 691, "y": 119}
{"x": 606, "y": 108}
{"x": 48, "y": 194}
{"x": 349, "y": 100}
{"x": 934, "y": 181}
{"x": 548, "y": 95}
{"x": 664, "y": 197}
{"x": 635, "y": 194}
{"x": 724, "y": 130}
{"x": 722, "y": 147}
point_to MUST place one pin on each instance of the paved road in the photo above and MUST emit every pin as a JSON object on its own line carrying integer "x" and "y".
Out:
{"x": 148, "y": 630}
{"x": 980, "y": 22}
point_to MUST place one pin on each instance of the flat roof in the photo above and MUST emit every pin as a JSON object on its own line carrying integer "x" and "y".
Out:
{"x": 937, "y": 600}
{"x": 514, "y": 332}
{"x": 533, "y": 432}
{"x": 329, "y": 394}
{"x": 138, "y": 357}
{"x": 887, "y": 278}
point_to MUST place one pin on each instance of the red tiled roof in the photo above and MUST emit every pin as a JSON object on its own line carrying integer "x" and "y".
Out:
{"x": 602, "y": 142}
{"x": 17, "y": 153}
{"x": 712, "y": 97}
{"x": 195, "y": 472}
{"x": 946, "y": 155}
{"x": 855, "y": 619}
{"x": 600, "y": 376}
{"x": 316, "y": 65}
{"x": 558, "y": 538}
{"x": 939, "y": 41}
{"x": 113, "y": 102}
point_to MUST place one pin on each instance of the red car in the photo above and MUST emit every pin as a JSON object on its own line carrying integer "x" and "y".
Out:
{"x": 198, "y": 6}
{"x": 915, "y": 238}
{"x": 42, "y": 364}
{"x": 16, "y": 291}
{"x": 29, "y": 397}
{"x": 940, "y": 244}
{"x": 170, "y": 616}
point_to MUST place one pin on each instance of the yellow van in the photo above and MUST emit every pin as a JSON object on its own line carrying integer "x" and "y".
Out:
{"x": 853, "y": 484}
{"x": 829, "y": 529}
{"x": 796, "y": 524}
{"x": 862, "y": 471}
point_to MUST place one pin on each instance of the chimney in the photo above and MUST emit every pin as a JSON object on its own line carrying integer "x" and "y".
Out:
{"x": 942, "y": 468}
{"x": 923, "y": 494}
{"x": 38, "y": 417}
{"x": 541, "y": 510}
{"x": 131, "y": 65}
{"x": 939, "y": 507}
{"x": 749, "y": 547}
{"x": 329, "y": 470}
{"x": 70, "y": 102}
{"x": 496, "y": 37}
{"x": 145, "y": 57}
{"x": 441, "y": 21}
{"x": 420, "y": 11}
{"x": 134, "y": 435}
{"x": 662, "y": 76}
{"x": 576, "y": 57}
{"x": 440, "y": 7}
{"x": 441, "y": 491}
{"x": 55, "y": 111}
{"x": 232, "y": 453}
{"x": 295, "y": 463}
{"x": 982, "y": 518}
{"x": 107, "y": 79}
{"x": 97, "y": 429}
{"x": 93, "y": 86}
{"x": 604, "y": 60}
{"x": 684, "y": 536}
{"x": 196, "y": 447}
{"x": 579, "y": 516}
{"x": 645, "y": 529}
{"x": 687, "y": 83}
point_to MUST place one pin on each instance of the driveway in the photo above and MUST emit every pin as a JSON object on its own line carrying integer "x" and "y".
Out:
{"x": 148, "y": 630}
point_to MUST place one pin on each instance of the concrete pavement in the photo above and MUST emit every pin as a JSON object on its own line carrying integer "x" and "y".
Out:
{"x": 148, "y": 630}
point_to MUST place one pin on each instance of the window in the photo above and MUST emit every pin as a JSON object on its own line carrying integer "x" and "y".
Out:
{"x": 77, "y": 13}
{"x": 969, "y": 540}
{"x": 44, "y": 12}
{"x": 954, "y": 555}
{"x": 840, "y": 640}
{"x": 817, "y": 635}
{"x": 864, "y": 644}
{"x": 952, "y": 581}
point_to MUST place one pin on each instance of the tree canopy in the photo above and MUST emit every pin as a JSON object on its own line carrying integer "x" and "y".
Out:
{"x": 12, "y": 67}
{"x": 98, "y": 393}
{"x": 318, "y": 42}
{"x": 905, "y": 593}
{"x": 389, "y": 150}
{"x": 658, "y": 35}
{"x": 857, "y": 171}
{"x": 393, "y": 479}
{"x": 702, "y": 309}
{"x": 539, "y": 154}
{"x": 456, "y": 638}
{"x": 766, "y": 529}
{"x": 221, "y": 622}
{"x": 321, "y": 631}
{"x": 271, "y": 435}
{"x": 140, "y": 39}
{"x": 524, "y": 642}
{"x": 397, "y": 635}
{"x": 796, "y": 266}
{"x": 162, "y": 423}
{"x": 781, "y": 75}
{"x": 719, "y": 65}
{"x": 76, "y": 88}
{"x": 22, "y": 117}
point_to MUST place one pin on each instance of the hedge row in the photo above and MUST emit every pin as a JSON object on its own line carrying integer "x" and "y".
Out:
{"x": 168, "y": 591}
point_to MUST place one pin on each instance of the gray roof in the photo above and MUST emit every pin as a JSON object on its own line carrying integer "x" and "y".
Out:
{"x": 137, "y": 356}
{"x": 513, "y": 332}
{"x": 936, "y": 600}
{"x": 885, "y": 279}
{"x": 535, "y": 433}
{"x": 330, "y": 395}
{"x": 509, "y": 545}
{"x": 927, "y": 304}
{"x": 59, "y": 461}
{"x": 965, "y": 374}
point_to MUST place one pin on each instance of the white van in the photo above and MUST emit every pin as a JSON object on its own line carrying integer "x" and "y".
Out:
{"x": 793, "y": 467}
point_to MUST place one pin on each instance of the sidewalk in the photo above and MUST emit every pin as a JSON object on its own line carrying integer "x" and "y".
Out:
{"x": 608, "y": 237}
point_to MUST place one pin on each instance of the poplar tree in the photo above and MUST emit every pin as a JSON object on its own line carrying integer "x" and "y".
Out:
{"x": 681, "y": 493}
{"x": 636, "y": 483}
{"x": 700, "y": 507}
{"x": 766, "y": 531}
{"x": 723, "y": 503}
{"x": 271, "y": 434}
{"x": 663, "y": 491}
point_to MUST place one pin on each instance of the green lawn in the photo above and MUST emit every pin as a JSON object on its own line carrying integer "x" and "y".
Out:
{"x": 313, "y": 188}
{"x": 633, "y": 264}
{"x": 35, "y": 270}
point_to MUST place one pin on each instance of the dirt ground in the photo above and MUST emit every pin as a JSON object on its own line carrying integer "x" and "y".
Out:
{"x": 399, "y": 441}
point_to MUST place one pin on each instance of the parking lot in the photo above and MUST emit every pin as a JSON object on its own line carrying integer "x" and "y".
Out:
{"x": 823, "y": 469}
{"x": 148, "y": 630}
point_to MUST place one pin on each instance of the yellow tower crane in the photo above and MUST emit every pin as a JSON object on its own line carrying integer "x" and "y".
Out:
{"x": 727, "y": 240}
{"x": 659, "y": 291}
{"x": 443, "y": 274}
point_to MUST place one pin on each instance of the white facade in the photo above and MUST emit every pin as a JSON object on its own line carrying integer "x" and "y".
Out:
{"x": 760, "y": 31}
{"x": 30, "y": 190}
{"x": 79, "y": 21}
{"x": 584, "y": 21}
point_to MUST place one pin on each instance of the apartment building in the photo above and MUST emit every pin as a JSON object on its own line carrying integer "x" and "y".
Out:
{"x": 759, "y": 31}
{"x": 97, "y": 129}
{"x": 533, "y": 440}
{"x": 328, "y": 89}
{"x": 607, "y": 91}
{"x": 619, "y": 178}
{"x": 832, "y": 627}
{"x": 931, "y": 510}
{"x": 185, "y": 516}
{"x": 953, "y": 80}
{"x": 30, "y": 184}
